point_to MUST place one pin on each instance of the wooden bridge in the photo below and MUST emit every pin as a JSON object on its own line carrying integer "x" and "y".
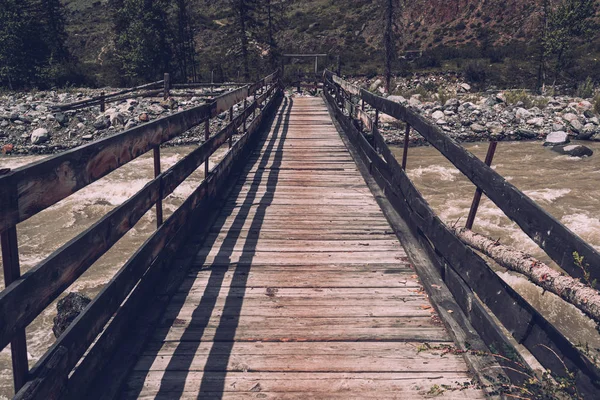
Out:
{"x": 305, "y": 265}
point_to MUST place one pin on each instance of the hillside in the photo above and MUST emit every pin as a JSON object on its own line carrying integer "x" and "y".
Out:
{"x": 351, "y": 28}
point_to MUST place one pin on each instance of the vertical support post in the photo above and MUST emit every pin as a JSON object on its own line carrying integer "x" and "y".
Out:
{"x": 206, "y": 137}
{"x": 102, "y": 102}
{"x": 406, "y": 139}
{"x": 244, "y": 123}
{"x": 339, "y": 66}
{"x": 477, "y": 198}
{"x": 167, "y": 86}
{"x": 376, "y": 118}
{"x": 159, "y": 208}
{"x": 316, "y": 66}
{"x": 231, "y": 119}
{"x": 12, "y": 272}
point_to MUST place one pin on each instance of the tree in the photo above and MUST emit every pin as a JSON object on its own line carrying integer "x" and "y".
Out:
{"x": 244, "y": 29}
{"x": 185, "y": 49}
{"x": 32, "y": 42}
{"x": 142, "y": 38}
{"x": 390, "y": 11}
{"x": 563, "y": 23}
{"x": 273, "y": 12}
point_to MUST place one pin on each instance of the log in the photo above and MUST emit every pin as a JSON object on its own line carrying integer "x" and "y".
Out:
{"x": 571, "y": 290}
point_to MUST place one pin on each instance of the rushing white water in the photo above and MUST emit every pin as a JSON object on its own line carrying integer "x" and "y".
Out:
{"x": 47, "y": 231}
{"x": 565, "y": 187}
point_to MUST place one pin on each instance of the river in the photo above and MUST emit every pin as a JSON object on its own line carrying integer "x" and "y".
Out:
{"x": 566, "y": 187}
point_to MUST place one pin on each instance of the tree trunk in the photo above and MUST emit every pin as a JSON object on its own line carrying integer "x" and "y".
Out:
{"x": 567, "y": 288}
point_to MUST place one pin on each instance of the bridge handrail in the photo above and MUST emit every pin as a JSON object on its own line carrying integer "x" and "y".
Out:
{"x": 24, "y": 298}
{"x": 558, "y": 241}
{"x": 463, "y": 270}
{"x": 98, "y": 99}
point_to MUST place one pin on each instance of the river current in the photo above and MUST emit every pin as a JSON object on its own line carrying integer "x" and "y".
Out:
{"x": 566, "y": 187}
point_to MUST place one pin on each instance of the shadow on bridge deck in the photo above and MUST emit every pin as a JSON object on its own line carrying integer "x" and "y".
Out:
{"x": 301, "y": 289}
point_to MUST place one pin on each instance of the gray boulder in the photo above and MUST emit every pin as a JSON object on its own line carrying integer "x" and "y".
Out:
{"x": 557, "y": 138}
{"x": 438, "y": 115}
{"x": 526, "y": 134}
{"x": 398, "y": 99}
{"x": 574, "y": 150}
{"x": 477, "y": 128}
{"x": 68, "y": 308}
{"x": 576, "y": 126}
{"x": 523, "y": 114}
{"x": 39, "y": 136}
{"x": 61, "y": 118}
{"x": 101, "y": 123}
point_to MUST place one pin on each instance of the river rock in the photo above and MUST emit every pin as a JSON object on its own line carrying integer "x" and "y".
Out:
{"x": 526, "y": 134}
{"x": 102, "y": 122}
{"x": 438, "y": 115}
{"x": 576, "y": 126}
{"x": 452, "y": 104}
{"x": 414, "y": 102}
{"x": 587, "y": 132}
{"x": 39, "y": 136}
{"x": 477, "y": 128}
{"x": 570, "y": 117}
{"x": 495, "y": 128}
{"x": 523, "y": 114}
{"x": 398, "y": 99}
{"x": 557, "y": 138}
{"x": 375, "y": 85}
{"x": 116, "y": 118}
{"x": 61, "y": 118}
{"x": 144, "y": 117}
{"x": 465, "y": 87}
{"x": 539, "y": 122}
{"x": 574, "y": 150}
{"x": 68, "y": 308}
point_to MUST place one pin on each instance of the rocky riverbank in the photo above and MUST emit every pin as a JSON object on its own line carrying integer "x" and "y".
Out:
{"x": 28, "y": 124}
{"x": 502, "y": 115}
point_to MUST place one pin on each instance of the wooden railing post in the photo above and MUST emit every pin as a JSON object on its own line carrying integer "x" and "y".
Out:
{"x": 12, "y": 272}
{"x": 159, "y": 209}
{"x": 406, "y": 140}
{"x": 167, "y": 86}
{"x": 102, "y": 102}
{"x": 230, "y": 120}
{"x": 244, "y": 124}
{"x": 206, "y": 137}
{"x": 377, "y": 119}
{"x": 477, "y": 198}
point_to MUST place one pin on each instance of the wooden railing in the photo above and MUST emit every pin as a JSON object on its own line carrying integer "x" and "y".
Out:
{"x": 29, "y": 190}
{"x": 124, "y": 94}
{"x": 473, "y": 283}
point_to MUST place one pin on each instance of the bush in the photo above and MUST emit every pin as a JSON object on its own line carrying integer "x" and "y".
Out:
{"x": 597, "y": 103}
{"x": 515, "y": 96}
{"x": 476, "y": 73}
{"x": 585, "y": 89}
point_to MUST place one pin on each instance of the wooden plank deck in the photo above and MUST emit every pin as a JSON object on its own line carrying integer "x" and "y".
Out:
{"x": 301, "y": 289}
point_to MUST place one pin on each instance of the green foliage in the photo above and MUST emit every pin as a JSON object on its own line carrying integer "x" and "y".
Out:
{"x": 476, "y": 73}
{"x": 142, "y": 38}
{"x": 32, "y": 42}
{"x": 585, "y": 89}
{"x": 597, "y": 103}
{"x": 515, "y": 96}
{"x": 585, "y": 268}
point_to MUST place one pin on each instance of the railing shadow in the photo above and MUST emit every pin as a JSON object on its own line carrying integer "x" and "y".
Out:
{"x": 173, "y": 381}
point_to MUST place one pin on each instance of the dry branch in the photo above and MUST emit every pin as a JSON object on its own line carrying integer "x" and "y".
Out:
{"x": 573, "y": 291}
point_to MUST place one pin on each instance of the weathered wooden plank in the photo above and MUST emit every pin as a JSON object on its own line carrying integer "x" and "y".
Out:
{"x": 298, "y": 385}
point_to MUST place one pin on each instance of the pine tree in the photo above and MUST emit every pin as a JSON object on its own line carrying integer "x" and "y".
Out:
{"x": 244, "y": 28}
{"x": 142, "y": 38}
{"x": 185, "y": 50}
{"x": 273, "y": 14}
{"x": 389, "y": 41}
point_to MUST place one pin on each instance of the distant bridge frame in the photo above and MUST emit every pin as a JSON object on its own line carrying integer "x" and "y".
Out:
{"x": 302, "y": 55}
